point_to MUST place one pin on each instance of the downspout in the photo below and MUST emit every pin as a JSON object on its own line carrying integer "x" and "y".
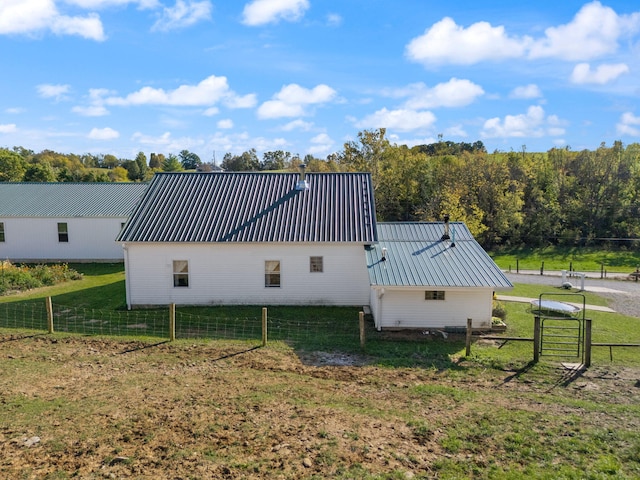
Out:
{"x": 127, "y": 283}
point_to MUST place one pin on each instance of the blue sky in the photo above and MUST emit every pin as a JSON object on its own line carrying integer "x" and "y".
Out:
{"x": 305, "y": 76}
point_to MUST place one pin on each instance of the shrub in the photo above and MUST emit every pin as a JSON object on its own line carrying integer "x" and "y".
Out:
{"x": 14, "y": 277}
{"x": 499, "y": 311}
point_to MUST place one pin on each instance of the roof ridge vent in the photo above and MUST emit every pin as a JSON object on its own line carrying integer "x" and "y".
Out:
{"x": 302, "y": 181}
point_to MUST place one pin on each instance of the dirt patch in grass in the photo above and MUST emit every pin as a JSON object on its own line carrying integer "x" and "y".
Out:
{"x": 77, "y": 407}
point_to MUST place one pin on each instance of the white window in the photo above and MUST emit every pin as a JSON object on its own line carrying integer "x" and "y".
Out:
{"x": 272, "y": 273}
{"x": 63, "y": 232}
{"x": 315, "y": 264}
{"x": 434, "y": 295}
{"x": 180, "y": 273}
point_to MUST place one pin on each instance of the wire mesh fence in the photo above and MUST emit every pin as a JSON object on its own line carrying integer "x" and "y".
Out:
{"x": 300, "y": 331}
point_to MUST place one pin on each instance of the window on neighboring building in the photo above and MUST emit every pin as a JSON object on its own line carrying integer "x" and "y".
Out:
{"x": 434, "y": 295}
{"x": 315, "y": 264}
{"x": 180, "y": 273}
{"x": 272, "y": 273}
{"x": 63, "y": 232}
{"x": 1, "y": 231}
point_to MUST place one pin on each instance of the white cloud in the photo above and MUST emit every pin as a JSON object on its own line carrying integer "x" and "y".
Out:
{"x": 183, "y": 14}
{"x": 210, "y": 112}
{"x": 320, "y": 144}
{"x": 34, "y": 16}
{"x": 103, "y": 134}
{"x": 445, "y": 42}
{"x": 90, "y": 111}
{"x": 526, "y": 92}
{"x": 225, "y": 124}
{"x": 593, "y": 32}
{"x": 261, "y": 12}
{"x": 8, "y": 128}
{"x": 209, "y": 91}
{"x": 297, "y": 125}
{"x": 629, "y": 124}
{"x": 100, "y": 4}
{"x": 605, "y": 73}
{"x": 292, "y": 99}
{"x": 58, "y": 92}
{"x": 402, "y": 120}
{"x": 454, "y": 93}
{"x": 334, "y": 20}
{"x": 530, "y": 124}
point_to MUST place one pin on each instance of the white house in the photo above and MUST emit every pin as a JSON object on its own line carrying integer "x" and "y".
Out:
{"x": 71, "y": 222}
{"x": 250, "y": 238}
{"x": 431, "y": 275}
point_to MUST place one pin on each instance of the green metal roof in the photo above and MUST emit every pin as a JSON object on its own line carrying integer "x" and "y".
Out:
{"x": 26, "y": 199}
{"x": 417, "y": 256}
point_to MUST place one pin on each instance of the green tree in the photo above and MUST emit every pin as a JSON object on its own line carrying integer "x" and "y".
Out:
{"x": 366, "y": 154}
{"x": 141, "y": 162}
{"x": 12, "y": 166}
{"x": 276, "y": 160}
{"x": 155, "y": 161}
{"x": 40, "y": 172}
{"x": 189, "y": 160}
{"x": 172, "y": 164}
{"x": 245, "y": 162}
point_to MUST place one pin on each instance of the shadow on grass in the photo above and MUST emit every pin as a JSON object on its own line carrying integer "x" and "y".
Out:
{"x": 519, "y": 372}
{"x": 23, "y": 337}
{"x": 144, "y": 347}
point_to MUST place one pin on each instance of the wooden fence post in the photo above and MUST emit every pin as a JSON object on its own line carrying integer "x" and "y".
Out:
{"x": 264, "y": 326}
{"x": 587, "y": 342}
{"x": 49, "y": 314}
{"x": 362, "y": 335}
{"x": 172, "y": 322}
{"x": 536, "y": 339}
{"x": 468, "y": 339}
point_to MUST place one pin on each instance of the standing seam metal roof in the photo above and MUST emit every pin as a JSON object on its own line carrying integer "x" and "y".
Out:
{"x": 417, "y": 256}
{"x": 27, "y": 199}
{"x": 254, "y": 207}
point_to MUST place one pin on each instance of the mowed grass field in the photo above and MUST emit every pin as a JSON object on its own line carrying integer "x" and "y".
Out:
{"x": 76, "y": 406}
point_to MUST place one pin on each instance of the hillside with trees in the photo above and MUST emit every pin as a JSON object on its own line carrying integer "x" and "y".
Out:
{"x": 558, "y": 197}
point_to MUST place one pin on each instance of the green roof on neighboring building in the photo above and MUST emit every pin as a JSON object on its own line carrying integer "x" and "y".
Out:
{"x": 62, "y": 200}
{"x": 414, "y": 254}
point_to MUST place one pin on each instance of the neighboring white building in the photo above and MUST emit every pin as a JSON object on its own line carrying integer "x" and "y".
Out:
{"x": 70, "y": 222}
{"x": 431, "y": 275}
{"x": 250, "y": 238}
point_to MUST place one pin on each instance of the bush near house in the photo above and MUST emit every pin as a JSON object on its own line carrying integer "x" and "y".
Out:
{"x": 26, "y": 277}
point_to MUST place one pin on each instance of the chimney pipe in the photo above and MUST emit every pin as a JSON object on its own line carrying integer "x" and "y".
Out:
{"x": 302, "y": 182}
{"x": 446, "y": 236}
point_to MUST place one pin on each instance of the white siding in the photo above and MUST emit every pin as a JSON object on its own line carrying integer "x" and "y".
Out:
{"x": 233, "y": 274}
{"x": 36, "y": 239}
{"x": 407, "y": 308}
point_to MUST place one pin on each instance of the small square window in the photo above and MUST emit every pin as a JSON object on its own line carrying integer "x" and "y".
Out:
{"x": 434, "y": 295}
{"x": 1, "y": 231}
{"x": 63, "y": 232}
{"x": 180, "y": 273}
{"x": 272, "y": 273}
{"x": 315, "y": 264}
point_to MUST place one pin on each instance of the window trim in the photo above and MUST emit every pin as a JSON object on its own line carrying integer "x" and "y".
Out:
{"x": 270, "y": 274}
{"x": 63, "y": 232}
{"x": 316, "y": 264}
{"x": 180, "y": 276}
{"x": 434, "y": 295}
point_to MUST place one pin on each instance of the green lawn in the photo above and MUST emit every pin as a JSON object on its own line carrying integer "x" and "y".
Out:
{"x": 564, "y": 258}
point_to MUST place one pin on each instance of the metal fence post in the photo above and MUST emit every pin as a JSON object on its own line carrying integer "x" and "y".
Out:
{"x": 587, "y": 342}
{"x": 536, "y": 339}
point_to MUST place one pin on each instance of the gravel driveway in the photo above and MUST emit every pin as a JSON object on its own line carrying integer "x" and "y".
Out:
{"x": 624, "y": 295}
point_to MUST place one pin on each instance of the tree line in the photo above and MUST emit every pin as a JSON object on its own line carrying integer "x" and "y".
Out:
{"x": 515, "y": 198}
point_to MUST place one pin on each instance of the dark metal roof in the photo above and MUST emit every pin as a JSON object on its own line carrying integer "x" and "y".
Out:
{"x": 416, "y": 256}
{"x": 254, "y": 207}
{"x": 27, "y": 199}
